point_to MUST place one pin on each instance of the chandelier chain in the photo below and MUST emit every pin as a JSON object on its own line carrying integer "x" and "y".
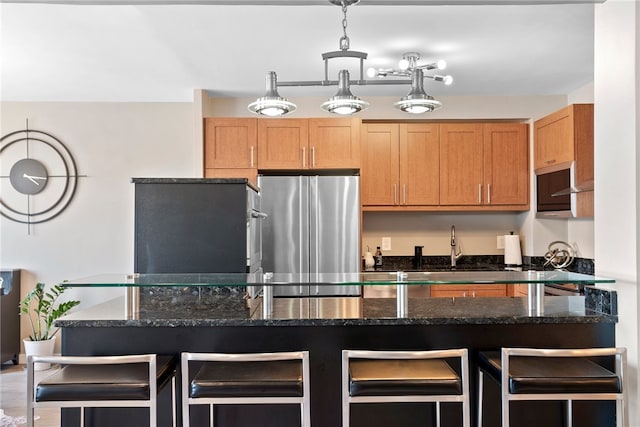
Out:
{"x": 344, "y": 40}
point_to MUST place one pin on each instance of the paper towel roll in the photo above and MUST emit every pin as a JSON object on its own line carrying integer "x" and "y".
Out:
{"x": 512, "y": 253}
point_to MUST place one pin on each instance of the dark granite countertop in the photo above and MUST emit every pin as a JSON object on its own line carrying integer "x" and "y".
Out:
{"x": 233, "y": 310}
{"x": 193, "y": 181}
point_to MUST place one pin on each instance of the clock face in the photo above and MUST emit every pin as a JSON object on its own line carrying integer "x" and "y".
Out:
{"x": 28, "y": 176}
{"x": 42, "y": 178}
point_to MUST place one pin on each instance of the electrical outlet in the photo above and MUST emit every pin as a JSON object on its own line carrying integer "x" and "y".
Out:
{"x": 500, "y": 242}
{"x": 386, "y": 243}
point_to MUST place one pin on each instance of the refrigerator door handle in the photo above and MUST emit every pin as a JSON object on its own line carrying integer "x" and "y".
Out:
{"x": 258, "y": 214}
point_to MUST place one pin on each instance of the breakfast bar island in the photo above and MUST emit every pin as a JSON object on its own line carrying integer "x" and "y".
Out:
{"x": 169, "y": 314}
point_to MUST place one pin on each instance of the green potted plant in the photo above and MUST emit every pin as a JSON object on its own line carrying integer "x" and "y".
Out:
{"x": 39, "y": 305}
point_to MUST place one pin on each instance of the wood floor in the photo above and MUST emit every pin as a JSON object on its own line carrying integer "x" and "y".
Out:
{"x": 13, "y": 397}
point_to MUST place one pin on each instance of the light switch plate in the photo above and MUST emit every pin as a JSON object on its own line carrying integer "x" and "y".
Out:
{"x": 500, "y": 242}
{"x": 386, "y": 243}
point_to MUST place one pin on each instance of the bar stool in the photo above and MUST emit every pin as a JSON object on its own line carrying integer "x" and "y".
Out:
{"x": 101, "y": 381}
{"x": 248, "y": 378}
{"x": 404, "y": 376}
{"x": 558, "y": 374}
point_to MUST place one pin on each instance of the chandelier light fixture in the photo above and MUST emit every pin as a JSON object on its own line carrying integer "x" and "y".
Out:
{"x": 344, "y": 102}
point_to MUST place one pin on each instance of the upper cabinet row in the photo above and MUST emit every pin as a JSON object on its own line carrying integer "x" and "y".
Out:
{"x": 448, "y": 166}
{"x": 240, "y": 146}
{"x": 403, "y": 166}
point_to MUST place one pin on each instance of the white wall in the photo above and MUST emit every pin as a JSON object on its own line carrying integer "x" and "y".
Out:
{"x": 111, "y": 143}
{"x": 617, "y": 161}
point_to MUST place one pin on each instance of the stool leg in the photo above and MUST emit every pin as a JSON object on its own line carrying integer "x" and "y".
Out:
{"x": 569, "y": 417}
{"x": 174, "y": 409}
{"x": 345, "y": 413}
{"x": 505, "y": 410}
{"x": 438, "y": 414}
{"x": 30, "y": 387}
{"x": 621, "y": 411}
{"x": 211, "y": 415}
{"x": 480, "y": 389}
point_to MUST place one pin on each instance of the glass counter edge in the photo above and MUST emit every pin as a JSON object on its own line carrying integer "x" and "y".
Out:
{"x": 135, "y": 281}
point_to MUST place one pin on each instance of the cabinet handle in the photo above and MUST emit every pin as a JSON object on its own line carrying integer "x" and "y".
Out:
{"x": 550, "y": 161}
{"x": 479, "y": 194}
{"x": 304, "y": 155}
{"x": 313, "y": 156}
{"x": 395, "y": 195}
{"x": 488, "y": 194}
{"x": 404, "y": 194}
{"x": 252, "y": 156}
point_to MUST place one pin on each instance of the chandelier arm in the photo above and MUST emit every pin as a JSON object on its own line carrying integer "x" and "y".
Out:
{"x": 309, "y": 83}
{"x": 428, "y": 67}
{"x": 360, "y": 82}
{"x": 344, "y": 54}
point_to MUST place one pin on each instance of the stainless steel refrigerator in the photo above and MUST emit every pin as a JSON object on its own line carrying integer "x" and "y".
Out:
{"x": 311, "y": 232}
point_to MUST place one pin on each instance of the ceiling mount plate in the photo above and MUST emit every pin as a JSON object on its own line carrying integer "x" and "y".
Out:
{"x": 346, "y": 2}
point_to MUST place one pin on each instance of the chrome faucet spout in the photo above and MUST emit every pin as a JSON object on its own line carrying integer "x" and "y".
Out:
{"x": 456, "y": 254}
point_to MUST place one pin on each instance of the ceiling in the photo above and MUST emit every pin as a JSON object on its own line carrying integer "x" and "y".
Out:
{"x": 149, "y": 51}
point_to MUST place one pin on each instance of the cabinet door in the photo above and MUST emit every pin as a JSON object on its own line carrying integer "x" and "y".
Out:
{"x": 230, "y": 143}
{"x": 283, "y": 143}
{"x": 334, "y": 143}
{"x": 487, "y": 291}
{"x": 379, "y": 171}
{"x": 506, "y": 164}
{"x": 519, "y": 290}
{"x": 461, "y": 164}
{"x": 419, "y": 164}
{"x": 554, "y": 139}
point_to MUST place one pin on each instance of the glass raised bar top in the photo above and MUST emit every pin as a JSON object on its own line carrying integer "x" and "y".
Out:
{"x": 364, "y": 279}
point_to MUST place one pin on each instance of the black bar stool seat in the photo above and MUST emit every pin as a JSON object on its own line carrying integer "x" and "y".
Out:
{"x": 245, "y": 379}
{"x": 277, "y": 378}
{"x": 104, "y": 382}
{"x": 383, "y": 376}
{"x": 419, "y": 377}
{"x": 555, "y": 374}
{"x": 126, "y": 381}
{"x": 552, "y": 374}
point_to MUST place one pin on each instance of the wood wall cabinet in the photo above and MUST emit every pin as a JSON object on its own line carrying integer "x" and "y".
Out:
{"x": 230, "y": 148}
{"x": 485, "y": 165}
{"x": 400, "y": 164}
{"x": 468, "y": 291}
{"x": 506, "y": 164}
{"x": 564, "y": 136}
{"x": 294, "y": 144}
{"x": 461, "y": 164}
{"x": 448, "y": 166}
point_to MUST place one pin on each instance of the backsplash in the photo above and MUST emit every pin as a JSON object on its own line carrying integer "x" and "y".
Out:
{"x": 404, "y": 263}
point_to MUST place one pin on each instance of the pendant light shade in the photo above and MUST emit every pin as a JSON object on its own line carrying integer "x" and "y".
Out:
{"x": 344, "y": 102}
{"x": 272, "y": 104}
{"x": 417, "y": 101}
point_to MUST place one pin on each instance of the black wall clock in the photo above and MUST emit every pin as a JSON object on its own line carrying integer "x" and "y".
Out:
{"x": 42, "y": 179}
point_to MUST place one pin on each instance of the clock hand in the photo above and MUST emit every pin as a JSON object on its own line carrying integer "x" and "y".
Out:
{"x": 33, "y": 178}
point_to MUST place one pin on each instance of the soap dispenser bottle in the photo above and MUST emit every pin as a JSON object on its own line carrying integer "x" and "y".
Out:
{"x": 378, "y": 258}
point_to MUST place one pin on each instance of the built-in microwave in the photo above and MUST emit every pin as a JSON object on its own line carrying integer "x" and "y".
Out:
{"x": 554, "y": 198}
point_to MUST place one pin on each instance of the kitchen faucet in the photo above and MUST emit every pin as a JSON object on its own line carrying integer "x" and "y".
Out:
{"x": 454, "y": 256}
